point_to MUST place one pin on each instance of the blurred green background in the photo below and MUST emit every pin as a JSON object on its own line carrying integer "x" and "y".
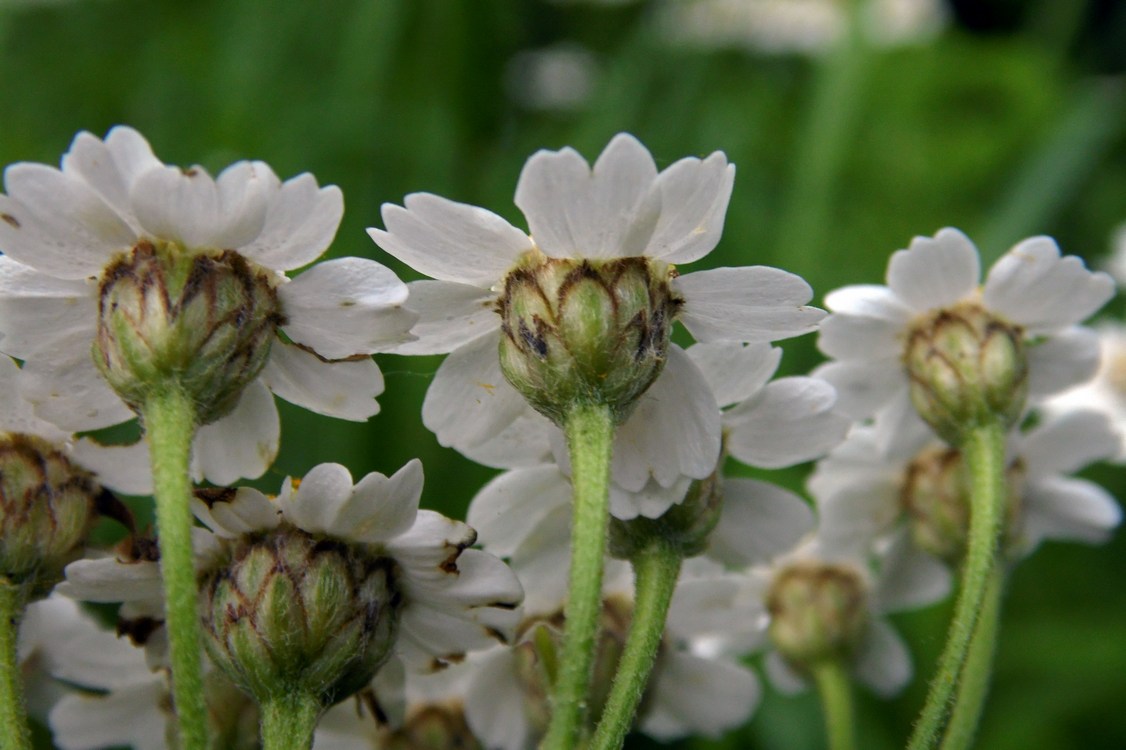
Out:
{"x": 1003, "y": 118}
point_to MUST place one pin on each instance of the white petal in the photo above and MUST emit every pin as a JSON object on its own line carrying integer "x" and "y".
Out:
{"x": 316, "y": 503}
{"x": 1069, "y": 358}
{"x": 129, "y": 717}
{"x": 869, "y": 301}
{"x": 860, "y": 337}
{"x": 124, "y": 468}
{"x": 691, "y": 695}
{"x": 301, "y": 221}
{"x": 450, "y": 241}
{"x": 71, "y": 393}
{"x": 246, "y": 511}
{"x": 674, "y": 431}
{"x": 469, "y": 401}
{"x": 424, "y": 549}
{"x": 450, "y": 315}
{"x": 110, "y": 167}
{"x": 935, "y": 272}
{"x": 882, "y": 661}
{"x": 345, "y": 307}
{"x": 107, "y": 580}
{"x": 506, "y": 509}
{"x": 909, "y": 577}
{"x": 243, "y": 443}
{"x": 40, "y": 314}
{"x": 694, "y": 197}
{"x": 481, "y": 582}
{"x": 1033, "y": 286}
{"x": 853, "y": 513}
{"x": 1068, "y": 443}
{"x": 57, "y": 224}
{"x": 734, "y": 370}
{"x": 543, "y": 562}
{"x": 863, "y": 386}
{"x": 789, "y": 422}
{"x": 651, "y": 501}
{"x": 759, "y": 521}
{"x": 494, "y": 702}
{"x": 346, "y": 389}
{"x": 16, "y": 412}
{"x": 752, "y": 303}
{"x": 525, "y": 442}
{"x": 381, "y": 507}
{"x": 1067, "y": 509}
{"x": 783, "y": 676}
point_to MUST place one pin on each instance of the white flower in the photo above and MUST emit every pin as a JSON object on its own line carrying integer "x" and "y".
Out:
{"x": 622, "y": 207}
{"x": 1106, "y": 392}
{"x": 61, "y": 228}
{"x": 453, "y": 598}
{"x": 862, "y": 486}
{"x": 1030, "y": 288}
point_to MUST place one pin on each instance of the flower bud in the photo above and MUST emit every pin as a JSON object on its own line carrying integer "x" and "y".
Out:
{"x": 593, "y": 331}
{"x": 936, "y": 499}
{"x": 966, "y": 368}
{"x": 47, "y": 506}
{"x": 685, "y": 526}
{"x": 438, "y": 726}
{"x": 202, "y": 320}
{"x": 817, "y": 611}
{"x": 293, "y": 613}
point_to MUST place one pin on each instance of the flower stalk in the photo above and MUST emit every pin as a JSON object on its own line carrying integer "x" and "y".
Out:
{"x": 590, "y": 433}
{"x": 14, "y": 732}
{"x": 170, "y": 420}
{"x": 833, "y": 686}
{"x": 984, "y": 450}
{"x": 288, "y": 721}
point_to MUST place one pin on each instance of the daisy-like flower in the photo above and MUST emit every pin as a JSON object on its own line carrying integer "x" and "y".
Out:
{"x": 875, "y": 487}
{"x": 605, "y": 239}
{"x": 934, "y": 337}
{"x": 1106, "y": 392}
{"x": 157, "y": 266}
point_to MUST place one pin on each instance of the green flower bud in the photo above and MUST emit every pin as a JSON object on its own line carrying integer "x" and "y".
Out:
{"x": 936, "y": 498}
{"x": 47, "y": 506}
{"x": 202, "y": 320}
{"x": 439, "y": 726}
{"x": 686, "y": 525}
{"x": 818, "y": 612}
{"x": 966, "y": 368}
{"x": 290, "y": 612}
{"x": 585, "y": 331}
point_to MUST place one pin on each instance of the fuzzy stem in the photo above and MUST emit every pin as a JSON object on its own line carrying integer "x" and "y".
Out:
{"x": 288, "y": 721}
{"x": 655, "y": 568}
{"x": 974, "y": 684}
{"x": 590, "y": 434}
{"x": 14, "y": 731}
{"x": 836, "y": 701}
{"x": 170, "y": 420}
{"x": 984, "y": 451}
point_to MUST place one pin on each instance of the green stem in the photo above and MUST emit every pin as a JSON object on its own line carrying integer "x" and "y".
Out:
{"x": 836, "y": 700}
{"x": 984, "y": 452}
{"x": 590, "y": 434}
{"x": 974, "y": 683}
{"x": 288, "y": 721}
{"x": 14, "y": 732}
{"x": 655, "y": 569}
{"x": 170, "y": 422}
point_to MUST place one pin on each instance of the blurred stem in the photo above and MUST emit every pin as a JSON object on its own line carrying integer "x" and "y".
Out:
{"x": 288, "y": 721}
{"x": 984, "y": 452}
{"x": 1049, "y": 179}
{"x": 655, "y": 569}
{"x": 170, "y": 419}
{"x": 819, "y": 153}
{"x": 590, "y": 435}
{"x": 836, "y": 701}
{"x": 974, "y": 683}
{"x": 14, "y": 731}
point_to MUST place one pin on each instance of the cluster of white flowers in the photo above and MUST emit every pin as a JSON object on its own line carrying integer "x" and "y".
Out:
{"x": 442, "y": 639}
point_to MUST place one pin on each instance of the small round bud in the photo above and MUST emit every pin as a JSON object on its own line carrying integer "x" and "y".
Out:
{"x": 685, "y": 526}
{"x": 817, "y": 611}
{"x": 936, "y": 499}
{"x": 293, "y": 613}
{"x": 967, "y": 367}
{"x": 202, "y": 320}
{"x": 585, "y": 331}
{"x": 47, "y": 506}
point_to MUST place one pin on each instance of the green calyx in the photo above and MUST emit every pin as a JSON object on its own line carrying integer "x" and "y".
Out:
{"x": 203, "y": 321}
{"x": 967, "y": 368}
{"x": 585, "y": 331}
{"x": 818, "y": 612}
{"x": 290, "y": 613}
{"x": 47, "y": 506}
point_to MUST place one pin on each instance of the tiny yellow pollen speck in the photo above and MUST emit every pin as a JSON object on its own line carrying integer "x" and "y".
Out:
{"x": 487, "y": 386}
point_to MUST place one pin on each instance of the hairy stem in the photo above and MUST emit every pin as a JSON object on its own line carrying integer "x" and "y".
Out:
{"x": 14, "y": 732}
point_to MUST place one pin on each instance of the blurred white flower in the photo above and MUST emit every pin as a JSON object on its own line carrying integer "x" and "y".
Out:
{"x": 559, "y": 77}
{"x": 1106, "y": 392}
{"x": 60, "y": 229}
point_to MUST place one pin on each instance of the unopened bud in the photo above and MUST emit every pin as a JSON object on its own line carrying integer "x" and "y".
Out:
{"x": 966, "y": 368}
{"x": 585, "y": 331}
{"x": 293, "y": 613}
{"x": 817, "y": 611}
{"x": 202, "y": 320}
{"x": 47, "y": 506}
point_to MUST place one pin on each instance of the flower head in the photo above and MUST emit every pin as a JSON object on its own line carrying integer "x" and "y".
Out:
{"x": 168, "y": 272}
